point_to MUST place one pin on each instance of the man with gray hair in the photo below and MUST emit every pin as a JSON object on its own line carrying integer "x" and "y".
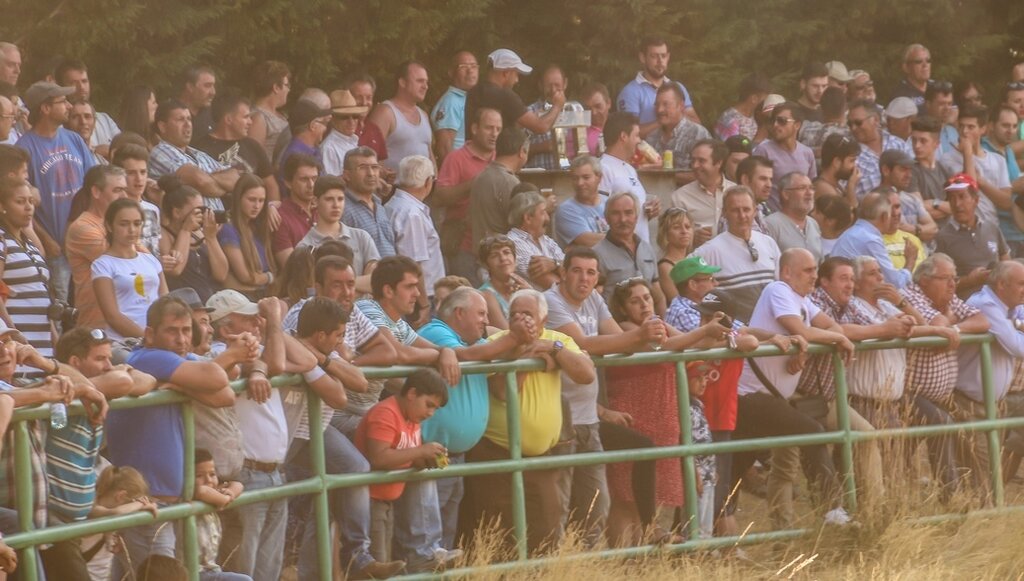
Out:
{"x": 538, "y": 256}
{"x": 917, "y": 70}
{"x": 415, "y": 235}
{"x": 623, "y": 254}
{"x": 998, "y": 301}
{"x": 10, "y": 70}
{"x": 792, "y": 226}
{"x": 749, "y": 259}
{"x": 540, "y": 394}
{"x": 460, "y": 324}
{"x": 8, "y": 114}
{"x": 580, "y": 219}
{"x": 864, "y": 238}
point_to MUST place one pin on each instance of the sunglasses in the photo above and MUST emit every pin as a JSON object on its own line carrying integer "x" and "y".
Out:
{"x": 1015, "y": 86}
{"x": 98, "y": 334}
{"x": 753, "y": 251}
{"x": 345, "y": 117}
{"x": 783, "y": 120}
{"x": 941, "y": 86}
{"x": 630, "y": 281}
{"x": 855, "y": 123}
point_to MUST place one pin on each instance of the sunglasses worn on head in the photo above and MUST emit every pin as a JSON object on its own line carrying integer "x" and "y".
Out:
{"x": 941, "y": 86}
{"x": 1015, "y": 86}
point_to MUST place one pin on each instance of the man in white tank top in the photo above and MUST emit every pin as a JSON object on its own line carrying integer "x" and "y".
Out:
{"x": 405, "y": 126}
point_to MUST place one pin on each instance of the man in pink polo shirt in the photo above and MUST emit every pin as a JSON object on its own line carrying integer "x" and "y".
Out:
{"x": 451, "y": 192}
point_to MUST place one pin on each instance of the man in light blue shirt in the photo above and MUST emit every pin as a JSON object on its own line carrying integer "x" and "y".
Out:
{"x": 864, "y": 238}
{"x": 637, "y": 97}
{"x": 998, "y": 301}
{"x": 449, "y": 114}
{"x": 459, "y": 425}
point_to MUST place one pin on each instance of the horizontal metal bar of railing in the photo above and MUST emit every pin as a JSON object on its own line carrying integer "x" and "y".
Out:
{"x": 321, "y": 482}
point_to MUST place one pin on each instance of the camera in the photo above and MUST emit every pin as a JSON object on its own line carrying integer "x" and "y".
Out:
{"x": 63, "y": 313}
{"x": 220, "y": 216}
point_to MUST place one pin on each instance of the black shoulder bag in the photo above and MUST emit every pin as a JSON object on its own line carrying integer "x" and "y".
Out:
{"x": 813, "y": 406}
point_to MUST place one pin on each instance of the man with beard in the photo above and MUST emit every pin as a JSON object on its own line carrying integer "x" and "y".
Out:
{"x": 638, "y": 96}
{"x": 838, "y": 167}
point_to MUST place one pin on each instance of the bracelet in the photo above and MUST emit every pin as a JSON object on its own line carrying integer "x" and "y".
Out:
{"x": 260, "y": 371}
{"x": 56, "y": 367}
{"x": 270, "y": 278}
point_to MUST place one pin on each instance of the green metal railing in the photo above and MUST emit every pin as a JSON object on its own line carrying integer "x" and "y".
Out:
{"x": 321, "y": 483}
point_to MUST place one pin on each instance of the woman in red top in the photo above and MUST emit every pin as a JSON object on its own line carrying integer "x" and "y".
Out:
{"x": 645, "y": 395}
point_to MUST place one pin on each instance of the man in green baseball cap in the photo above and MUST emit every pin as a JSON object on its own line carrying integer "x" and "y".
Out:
{"x": 687, "y": 268}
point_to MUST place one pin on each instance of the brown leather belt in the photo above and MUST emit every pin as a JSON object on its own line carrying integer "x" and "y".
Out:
{"x": 260, "y": 466}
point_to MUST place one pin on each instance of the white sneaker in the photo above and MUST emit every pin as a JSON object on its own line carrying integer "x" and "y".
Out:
{"x": 838, "y": 517}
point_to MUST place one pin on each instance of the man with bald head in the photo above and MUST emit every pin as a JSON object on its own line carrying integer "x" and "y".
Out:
{"x": 8, "y": 113}
{"x": 999, "y": 301}
{"x": 461, "y": 324}
{"x": 767, "y": 383}
{"x": 864, "y": 238}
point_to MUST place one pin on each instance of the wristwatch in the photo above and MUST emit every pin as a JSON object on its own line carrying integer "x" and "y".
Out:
{"x": 935, "y": 203}
{"x": 556, "y": 348}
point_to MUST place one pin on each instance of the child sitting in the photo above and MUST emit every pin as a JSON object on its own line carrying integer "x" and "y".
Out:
{"x": 696, "y": 375}
{"x": 208, "y": 530}
{"x": 121, "y": 491}
{"x": 389, "y": 437}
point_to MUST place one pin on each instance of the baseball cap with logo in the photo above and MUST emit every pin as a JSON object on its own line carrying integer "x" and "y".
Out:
{"x": 690, "y": 267}
{"x": 961, "y": 181}
{"x": 42, "y": 92}
{"x": 503, "y": 59}
{"x": 772, "y": 101}
{"x": 227, "y": 302}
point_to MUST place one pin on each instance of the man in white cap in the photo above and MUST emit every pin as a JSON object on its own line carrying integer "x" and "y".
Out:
{"x": 495, "y": 91}
{"x": 838, "y": 76}
{"x": 345, "y": 118}
{"x": 900, "y": 113}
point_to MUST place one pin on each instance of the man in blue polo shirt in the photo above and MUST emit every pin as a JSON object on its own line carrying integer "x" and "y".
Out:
{"x": 151, "y": 439}
{"x": 449, "y": 114}
{"x": 460, "y": 324}
{"x": 637, "y": 97}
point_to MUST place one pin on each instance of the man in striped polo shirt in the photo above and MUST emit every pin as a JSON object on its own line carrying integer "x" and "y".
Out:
{"x": 71, "y": 452}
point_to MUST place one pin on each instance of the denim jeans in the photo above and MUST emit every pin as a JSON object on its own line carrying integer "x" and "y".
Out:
{"x": 263, "y": 527}
{"x": 449, "y": 496}
{"x": 349, "y": 506}
{"x": 584, "y": 489}
{"x": 382, "y": 528}
{"x": 417, "y": 531}
{"x": 139, "y": 542}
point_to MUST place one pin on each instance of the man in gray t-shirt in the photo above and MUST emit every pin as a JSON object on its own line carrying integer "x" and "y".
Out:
{"x": 576, "y": 309}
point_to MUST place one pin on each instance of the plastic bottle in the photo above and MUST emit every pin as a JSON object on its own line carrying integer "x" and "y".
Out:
{"x": 58, "y": 416}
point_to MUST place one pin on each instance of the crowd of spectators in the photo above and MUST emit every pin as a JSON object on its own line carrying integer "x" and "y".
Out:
{"x": 205, "y": 236}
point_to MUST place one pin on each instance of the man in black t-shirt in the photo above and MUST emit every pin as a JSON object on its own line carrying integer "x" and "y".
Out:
{"x": 230, "y": 144}
{"x": 813, "y": 82}
{"x": 495, "y": 91}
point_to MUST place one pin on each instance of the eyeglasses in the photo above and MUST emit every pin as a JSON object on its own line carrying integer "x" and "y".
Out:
{"x": 345, "y": 117}
{"x": 941, "y": 86}
{"x": 753, "y": 251}
{"x": 919, "y": 61}
{"x": 783, "y": 120}
{"x": 949, "y": 278}
{"x": 1015, "y": 86}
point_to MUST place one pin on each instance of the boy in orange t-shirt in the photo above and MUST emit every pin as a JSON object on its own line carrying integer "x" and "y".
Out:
{"x": 406, "y": 514}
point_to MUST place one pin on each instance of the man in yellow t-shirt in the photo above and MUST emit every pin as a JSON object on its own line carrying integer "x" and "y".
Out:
{"x": 896, "y": 239}
{"x": 540, "y": 409}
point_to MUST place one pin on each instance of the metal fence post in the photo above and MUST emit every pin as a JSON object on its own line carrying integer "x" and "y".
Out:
{"x": 320, "y": 500}
{"x": 515, "y": 451}
{"x": 28, "y": 559}
{"x": 991, "y": 412}
{"x": 843, "y": 421}
{"x": 689, "y": 466}
{"x": 191, "y": 543}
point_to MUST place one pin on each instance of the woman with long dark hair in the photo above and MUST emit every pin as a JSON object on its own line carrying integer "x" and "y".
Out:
{"x": 246, "y": 238}
{"x": 189, "y": 242}
{"x": 125, "y": 280}
{"x": 26, "y": 303}
{"x": 138, "y": 110}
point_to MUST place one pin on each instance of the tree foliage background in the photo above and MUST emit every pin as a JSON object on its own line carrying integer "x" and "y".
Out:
{"x": 714, "y": 42}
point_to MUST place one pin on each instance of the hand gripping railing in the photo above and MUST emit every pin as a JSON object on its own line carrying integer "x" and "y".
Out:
{"x": 321, "y": 483}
